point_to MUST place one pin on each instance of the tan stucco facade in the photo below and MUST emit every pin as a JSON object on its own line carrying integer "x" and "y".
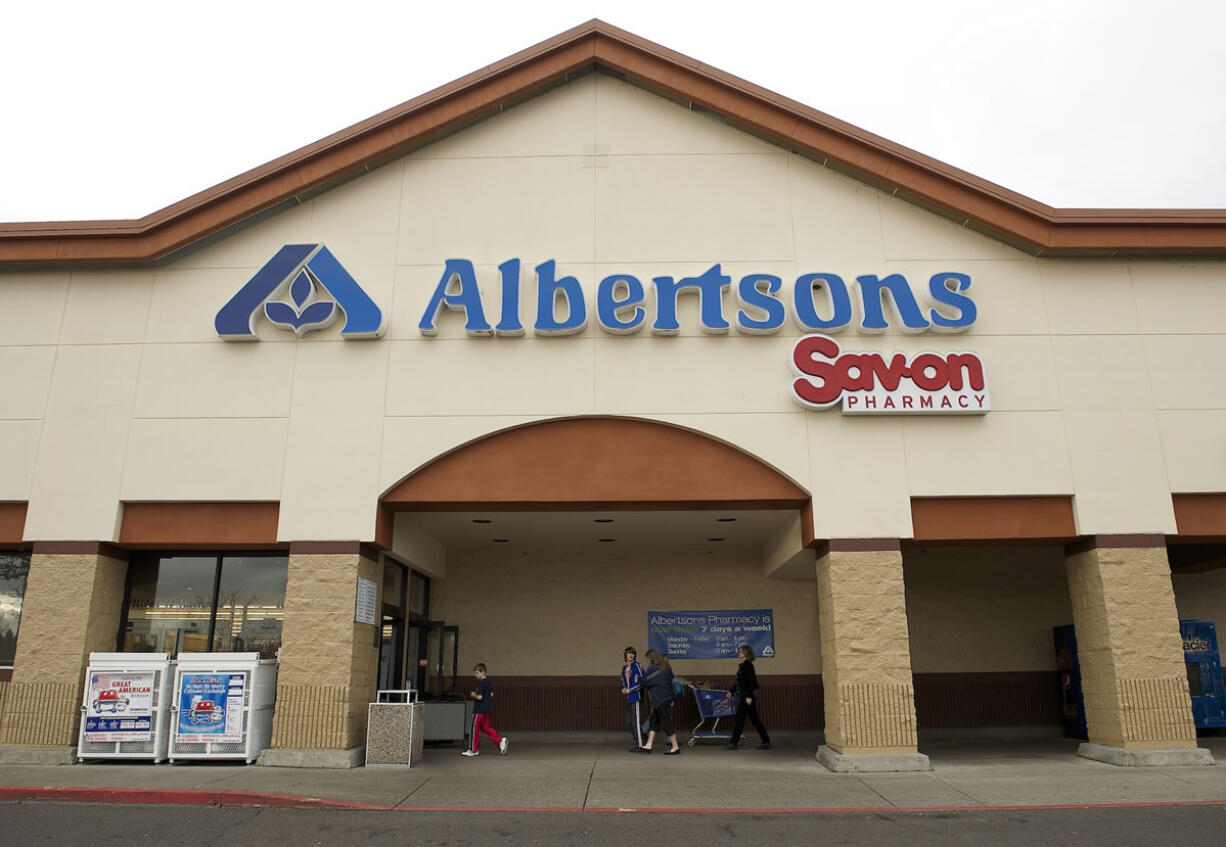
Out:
{"x": 1136, "y": 690}
{"x": 327, "y": 668}
{"x": 71, "y": 608}
{"x": 1104, "y": 387}
{"x": 866, "y": 654}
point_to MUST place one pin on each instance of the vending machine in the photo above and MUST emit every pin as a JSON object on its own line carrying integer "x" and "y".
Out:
{"x": 1201, "y": 661}
{"x": 1204, "y": 667}
{"x": 1072, "y": 703}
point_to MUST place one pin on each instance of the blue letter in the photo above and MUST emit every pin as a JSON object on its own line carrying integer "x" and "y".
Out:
{"x": 548, "y": 287}
{"x": 608, "y": 304}
{"x": 467, "y": 299}
{"x": 750, "y": 294}
{"x": 836, "y": 294}
{"x": 710, "y": 287}
{"x": 872, "y": 295}
{"x": 509, "y": 324}
{"x": 941, "y": 290}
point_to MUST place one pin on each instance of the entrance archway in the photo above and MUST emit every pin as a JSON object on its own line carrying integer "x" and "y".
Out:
{"x": 594, "y": 462}
{"x": 558, "y": 537}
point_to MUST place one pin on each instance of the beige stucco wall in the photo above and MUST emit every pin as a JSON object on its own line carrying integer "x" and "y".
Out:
{"x": 974, "y": 609}
{"x": 117, "y": 388}
{"x": 559, "y": 613}
{"x": 969, "y": 610}
{"x": 1202, "y": 597}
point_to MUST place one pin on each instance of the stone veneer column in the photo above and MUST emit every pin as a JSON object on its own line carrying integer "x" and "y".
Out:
{"x": 1138, "y": 709}
{"x": 866, "y": 659}
{"x": 73, "y": 602}
{"x": 329, "y": 661}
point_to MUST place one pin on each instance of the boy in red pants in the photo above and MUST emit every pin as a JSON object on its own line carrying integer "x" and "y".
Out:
{"x": 484, "y": 708}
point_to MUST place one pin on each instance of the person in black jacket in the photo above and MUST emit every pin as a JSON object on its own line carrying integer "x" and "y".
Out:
{"x": 747, "y": 686}
{"x": 658, "y": 680}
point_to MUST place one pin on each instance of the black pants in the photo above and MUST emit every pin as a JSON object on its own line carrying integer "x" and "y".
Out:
{"x": 744, "y": 709}
{"x": 634, "y": 723}
{"x": 662, "y": 719}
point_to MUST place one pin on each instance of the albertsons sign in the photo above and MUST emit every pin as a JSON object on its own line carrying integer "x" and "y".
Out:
{"x": 304, "y": 288}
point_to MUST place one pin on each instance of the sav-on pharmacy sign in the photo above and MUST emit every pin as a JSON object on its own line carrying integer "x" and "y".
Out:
{"x": 304, "y": 288}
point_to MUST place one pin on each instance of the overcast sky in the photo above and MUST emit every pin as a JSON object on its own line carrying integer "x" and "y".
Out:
{"x": 114, "y": 110}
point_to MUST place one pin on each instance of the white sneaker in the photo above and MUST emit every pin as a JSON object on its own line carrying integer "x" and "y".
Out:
{"x": 470, "y": 753}
{"x": 502, "y": 746}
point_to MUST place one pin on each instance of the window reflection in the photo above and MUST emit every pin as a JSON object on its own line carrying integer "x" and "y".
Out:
{"x": 205, "y": 603}
{"x": 250, "y": 605}
{"x": 14, "y": 567}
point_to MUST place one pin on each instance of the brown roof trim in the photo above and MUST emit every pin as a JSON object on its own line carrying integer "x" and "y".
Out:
{"x": 1201, "y": 515}
{"x": 976, "y": 203}
{"x": 200, "y": 525}
{"x": 825, "y": 547}
{"x": 979, "y": 519}
{"x": 12, "y": 523}
{"x": 1086, "y": 543}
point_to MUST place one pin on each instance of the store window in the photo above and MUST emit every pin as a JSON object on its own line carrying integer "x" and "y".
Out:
{"x": 205, "y": 603}
{"x": 14, "y": 567}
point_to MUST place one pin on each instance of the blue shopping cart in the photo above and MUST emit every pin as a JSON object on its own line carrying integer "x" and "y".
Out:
{"x": 713, "y": 704}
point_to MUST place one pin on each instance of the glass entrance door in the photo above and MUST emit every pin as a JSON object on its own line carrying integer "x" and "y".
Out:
{"x": 392, "y": 670}
{"x": 438, "y": 651}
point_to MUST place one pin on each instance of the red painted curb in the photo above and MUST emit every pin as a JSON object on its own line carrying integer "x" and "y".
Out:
{"x": 190, "y": 797}
{"x": 174, "y": 797}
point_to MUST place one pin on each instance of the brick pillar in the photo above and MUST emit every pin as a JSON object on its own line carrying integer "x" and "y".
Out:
{"x": 1138, "y": 709}
{"x": 327, "y": 676}
{"x": 866, "y": 658}
{"x": 72, "y": 606}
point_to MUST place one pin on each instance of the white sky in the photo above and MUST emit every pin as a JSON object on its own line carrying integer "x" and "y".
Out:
{"x": 114, "y": 110}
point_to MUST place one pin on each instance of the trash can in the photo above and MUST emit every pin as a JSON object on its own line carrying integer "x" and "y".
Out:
{"x": 395, "y": 728}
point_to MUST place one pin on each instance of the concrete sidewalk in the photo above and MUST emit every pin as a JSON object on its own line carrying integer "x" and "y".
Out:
{"x": 605, "y": 777}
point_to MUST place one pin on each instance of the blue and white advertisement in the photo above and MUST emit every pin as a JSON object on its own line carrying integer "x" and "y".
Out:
{"x": 712, "y": 635}
{"x": 119, "y": 706}
{"x": 211, "y": 707}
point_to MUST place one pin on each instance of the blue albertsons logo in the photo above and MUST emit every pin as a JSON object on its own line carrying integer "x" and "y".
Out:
{"x": 318, "y": 289}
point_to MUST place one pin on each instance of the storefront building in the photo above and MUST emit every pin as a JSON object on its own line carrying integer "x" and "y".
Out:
{"x": 596, "y": 332}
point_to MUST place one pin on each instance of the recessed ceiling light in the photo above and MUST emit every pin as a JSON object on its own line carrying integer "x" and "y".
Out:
{"x": 726, "y": 520}
{"x": 481, "y": 520}
{"x": 715, "y": 539}
{"x": 501, "y": 540}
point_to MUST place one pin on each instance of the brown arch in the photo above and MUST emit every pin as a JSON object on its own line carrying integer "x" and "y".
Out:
{"x": 583, "y": 463}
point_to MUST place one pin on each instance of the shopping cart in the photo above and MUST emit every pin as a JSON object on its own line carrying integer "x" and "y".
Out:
{"x": 713, "y": 704}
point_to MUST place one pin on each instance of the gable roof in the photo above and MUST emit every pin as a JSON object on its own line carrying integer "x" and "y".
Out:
{"x": 955, "y": 194}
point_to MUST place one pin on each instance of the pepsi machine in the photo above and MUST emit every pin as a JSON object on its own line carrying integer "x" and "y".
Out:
{"x": 1201, "y": 661}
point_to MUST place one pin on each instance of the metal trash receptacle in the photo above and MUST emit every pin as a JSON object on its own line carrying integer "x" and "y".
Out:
{"x": 395, "y": 728}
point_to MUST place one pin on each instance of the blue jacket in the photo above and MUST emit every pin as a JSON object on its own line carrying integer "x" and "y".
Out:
{"x": 632, "y": 678}
{"x": 659, "y": 684}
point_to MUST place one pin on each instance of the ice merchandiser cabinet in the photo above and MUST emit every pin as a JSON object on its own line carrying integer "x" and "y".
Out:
{"x": 1204, "y": 667}
{"x": 222, "y": 706}
{"x": 125, "y": 706}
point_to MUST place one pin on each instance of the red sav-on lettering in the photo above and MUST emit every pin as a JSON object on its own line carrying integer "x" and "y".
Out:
{"x": 929, "y": 383}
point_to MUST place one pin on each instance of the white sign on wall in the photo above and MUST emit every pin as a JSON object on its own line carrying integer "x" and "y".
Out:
{"x": 367, "y": 595}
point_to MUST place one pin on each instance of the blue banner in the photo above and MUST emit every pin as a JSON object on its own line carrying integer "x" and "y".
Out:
{"x": 712, "y": 634}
